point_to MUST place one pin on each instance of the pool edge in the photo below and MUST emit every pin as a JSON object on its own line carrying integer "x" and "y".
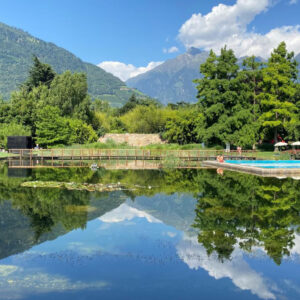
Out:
{"x": 252, "y": 170}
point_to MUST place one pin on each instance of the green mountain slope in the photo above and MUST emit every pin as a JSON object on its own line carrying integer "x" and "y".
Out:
{"x": 17, "y": 48}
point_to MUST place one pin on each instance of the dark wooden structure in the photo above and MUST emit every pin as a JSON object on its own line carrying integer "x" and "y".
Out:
{"x": 19, "y": 142}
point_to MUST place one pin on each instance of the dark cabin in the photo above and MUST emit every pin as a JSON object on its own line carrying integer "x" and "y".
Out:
{"x": 19, "y": 142}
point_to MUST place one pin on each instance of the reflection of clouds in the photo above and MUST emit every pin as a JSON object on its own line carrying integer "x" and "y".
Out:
{"x": 18, "y": 283}
{"x": 296, "y": 247}
{"x": 125, "y": 212}
{"x": 171, "y": 234}
{"x": 292, "y": 285}
{"x": 84, "y": 249}
{"x": 195, "y": 256}
{"x": 6, "y": 270}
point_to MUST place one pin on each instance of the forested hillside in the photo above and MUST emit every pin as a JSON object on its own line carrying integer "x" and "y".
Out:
{"x": 17, "y": 49}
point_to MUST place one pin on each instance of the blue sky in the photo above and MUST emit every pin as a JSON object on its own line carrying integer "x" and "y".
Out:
{"x": 138, "y": 32}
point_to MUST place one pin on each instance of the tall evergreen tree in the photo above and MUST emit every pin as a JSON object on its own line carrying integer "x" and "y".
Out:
{"x": 39, "y": 73}
{"x": 278, "y": 93}
{"x": 251, "y": 77}
{"x": 222, "y": 102}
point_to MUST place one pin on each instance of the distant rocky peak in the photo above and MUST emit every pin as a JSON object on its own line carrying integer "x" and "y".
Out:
{"x": 194, "y": 51}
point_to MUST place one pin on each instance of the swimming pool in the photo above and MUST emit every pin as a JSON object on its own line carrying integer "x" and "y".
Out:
{"x": 268, "y": 164}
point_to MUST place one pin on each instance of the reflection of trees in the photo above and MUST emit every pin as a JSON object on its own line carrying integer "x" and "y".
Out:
{"x": 248, "y": 211}
{"x": 232, "y": 210}
{"x": 49, "y": 207}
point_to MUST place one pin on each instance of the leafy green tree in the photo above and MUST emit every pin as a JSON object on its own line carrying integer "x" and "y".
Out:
{"x": 25, "y": 105}
{"x": 68, "y": 92}
{"x": 5, "y": 112}
{"x": 182, "y": 128}
{"x": 39, "y": 73}
{"x": 99, "y": 105}
{"x": 51, "y": 128}
{"x": 81, "y": 133}
{"x": 278, "y": 93}
{"x": 144, "y": 119}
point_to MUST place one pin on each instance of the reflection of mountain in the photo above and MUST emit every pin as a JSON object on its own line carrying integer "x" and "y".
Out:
{"x": 23, "y": 226}
{"x": 177, "y": 210}
{"x": 125, "y": 212}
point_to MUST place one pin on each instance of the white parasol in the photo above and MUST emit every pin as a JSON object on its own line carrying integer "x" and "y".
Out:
{"x": 280, "y": 144}
{"x": 296, "y": 144}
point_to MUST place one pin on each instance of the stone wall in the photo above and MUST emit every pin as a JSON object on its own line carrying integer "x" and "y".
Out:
{"x": 132, "y": 139}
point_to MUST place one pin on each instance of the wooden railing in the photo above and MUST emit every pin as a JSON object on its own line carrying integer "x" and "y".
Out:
{"x": 135, "y": 154}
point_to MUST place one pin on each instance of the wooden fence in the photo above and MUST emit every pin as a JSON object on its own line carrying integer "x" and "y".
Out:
{"x": 129, "y": 154}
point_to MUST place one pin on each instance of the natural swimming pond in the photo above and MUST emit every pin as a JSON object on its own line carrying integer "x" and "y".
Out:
{"x": 269, "y": 164}
{"x": 152, "y": 234}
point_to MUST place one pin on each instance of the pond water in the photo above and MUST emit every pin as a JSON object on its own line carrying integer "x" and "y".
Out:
{"x": 172, "y": 234}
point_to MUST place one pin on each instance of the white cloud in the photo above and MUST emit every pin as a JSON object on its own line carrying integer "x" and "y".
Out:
{"x": 227, "y": 25}
{"x": 293, "y": 2}
{"x": 124, "y": 71}
{"x": 237, "y": 269}
{"x": 171, "y": 50}
{"x": 126, "y": 213}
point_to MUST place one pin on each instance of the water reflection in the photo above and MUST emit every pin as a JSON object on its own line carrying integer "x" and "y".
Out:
{"x": 163, "y": 235}
{"x": 250, "y": 212}
{"x": 237, "y": 269}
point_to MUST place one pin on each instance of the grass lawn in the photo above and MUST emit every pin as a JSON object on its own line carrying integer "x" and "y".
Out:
{"x": 271, "y": 155}
{"x": 5, "y": 155}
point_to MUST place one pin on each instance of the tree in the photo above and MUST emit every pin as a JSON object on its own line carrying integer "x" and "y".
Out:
{"x": 134, "y": 101}
{"x": 51, "y": 128}
{"x": 25, "y": 105}
{"x": 278, "y": 93}
{"x": 222, "y": 101}
{"x": 129, "y": 105}
{"x": 68, "y": 92}
{"x": 39, "y": 73}
{"x": 5, "y": 112}
{"x": 144, "y": 119}
{"x": 81, "y": 133}
{"x": 182, "y": 127}
{"x": 251, "y": 78}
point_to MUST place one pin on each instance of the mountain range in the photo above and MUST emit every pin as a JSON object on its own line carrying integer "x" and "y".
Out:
{"x": 169, "y": 82}
{"x": 17, "y": 49}
{"x": 172, "y": 81}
